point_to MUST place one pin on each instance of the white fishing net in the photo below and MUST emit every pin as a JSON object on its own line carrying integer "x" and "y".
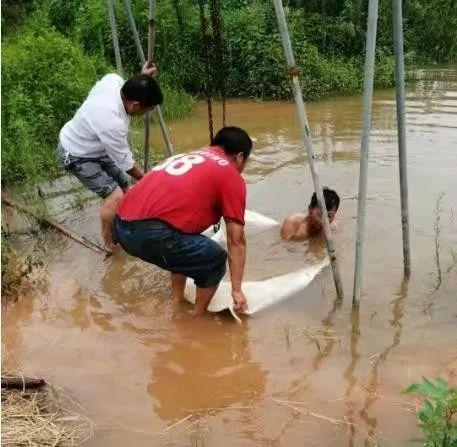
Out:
{"x": 275, "y": 270}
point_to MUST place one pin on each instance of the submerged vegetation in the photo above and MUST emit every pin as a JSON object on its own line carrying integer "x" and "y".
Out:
{"x": 54, "y": 51}
{"x": 437, "y": 238}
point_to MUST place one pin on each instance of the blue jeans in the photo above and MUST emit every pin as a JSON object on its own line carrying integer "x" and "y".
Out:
{"x": 154, "y": 241}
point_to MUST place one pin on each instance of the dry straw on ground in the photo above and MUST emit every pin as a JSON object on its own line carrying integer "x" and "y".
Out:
{"x": 43, "y": 417}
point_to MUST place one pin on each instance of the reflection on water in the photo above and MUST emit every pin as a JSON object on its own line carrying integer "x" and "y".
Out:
{"x": 349, "y": 374}
{"x": 330, "y": 342}
{"x": 130, "y": 283}
{"x": 188, "y": 376}
{"x": 106, "y": 331}
{"x": 373, "y": 382}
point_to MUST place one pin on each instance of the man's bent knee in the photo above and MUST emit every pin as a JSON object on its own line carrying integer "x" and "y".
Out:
{"x": 216, "y": 273}
{"x": 114, "y": 195}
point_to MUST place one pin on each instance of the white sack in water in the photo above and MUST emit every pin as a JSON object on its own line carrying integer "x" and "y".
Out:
{"x": 259, "y": 294}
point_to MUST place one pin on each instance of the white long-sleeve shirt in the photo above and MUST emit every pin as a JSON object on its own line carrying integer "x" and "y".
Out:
{"x": 100, "y": 126}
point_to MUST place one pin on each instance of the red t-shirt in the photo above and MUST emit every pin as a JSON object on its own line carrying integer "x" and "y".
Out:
{"x": 191, "y": 192}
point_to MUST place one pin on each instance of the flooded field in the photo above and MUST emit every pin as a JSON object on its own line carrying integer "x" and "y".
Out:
{"x": 306, "y": 372}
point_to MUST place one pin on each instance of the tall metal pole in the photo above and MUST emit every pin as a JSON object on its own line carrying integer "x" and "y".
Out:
{"x": 139, "y": 48}
{"x": 307, "y": 140}
{"x": 147, "y": 119}
{"x": 112, "y": 22}
{"x": 402, "y": 154}
{"x": 367, "y": 105}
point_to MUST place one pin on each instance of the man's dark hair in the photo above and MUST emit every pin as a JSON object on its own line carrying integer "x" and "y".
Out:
{"x": 144, "y": 89}
{"x": 233, "y": 140}
{"x": 332, "y": 199}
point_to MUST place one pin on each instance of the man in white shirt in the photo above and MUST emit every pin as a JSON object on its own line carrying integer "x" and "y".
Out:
{"x": 93, "y": 145}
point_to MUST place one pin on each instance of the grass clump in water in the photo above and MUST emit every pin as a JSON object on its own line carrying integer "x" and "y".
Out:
{"x": 438, "y": 415}
{"x": 437, "y": 237}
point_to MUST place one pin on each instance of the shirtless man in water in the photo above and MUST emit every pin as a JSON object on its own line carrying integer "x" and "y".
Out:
{"x": 300, "y": 226}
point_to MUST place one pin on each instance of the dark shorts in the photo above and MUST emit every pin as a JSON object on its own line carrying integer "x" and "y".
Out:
{"x": 192, "y": 255}
{"x": 101, "y": 175}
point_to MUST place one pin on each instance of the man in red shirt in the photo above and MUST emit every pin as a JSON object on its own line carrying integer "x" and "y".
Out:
{"x": 161, "y": 218}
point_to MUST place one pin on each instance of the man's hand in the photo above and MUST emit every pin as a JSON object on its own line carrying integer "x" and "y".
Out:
{"x": 135, "y": 172}
{"x": 241, "y": 304}
{"x": 149, "y": 70}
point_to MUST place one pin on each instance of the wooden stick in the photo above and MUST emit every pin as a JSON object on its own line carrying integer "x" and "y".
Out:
{"x": 60, "y": 228}
{"x": 177, "y": 423}
{"x": 24, "y": 383}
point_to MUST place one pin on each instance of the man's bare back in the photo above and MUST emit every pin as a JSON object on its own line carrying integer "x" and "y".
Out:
{"x": 299, "y": 226}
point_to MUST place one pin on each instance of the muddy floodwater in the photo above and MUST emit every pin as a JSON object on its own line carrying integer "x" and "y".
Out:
{"x": 307, "y": 372}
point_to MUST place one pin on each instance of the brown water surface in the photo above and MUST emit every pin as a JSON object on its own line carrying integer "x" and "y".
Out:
{"x": 307, "y": 372}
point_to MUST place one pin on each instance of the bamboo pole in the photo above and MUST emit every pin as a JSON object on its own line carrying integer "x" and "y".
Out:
{"x": 117, "y": 51}
{"x": 207, "y": 81}
{"x": 139, "y": 48}
{"x": 147, "y": 119}
{"x": 151, "y": 30}
{"x": 219, "y": 59}
{"x": 307, "y": 141}
{"x": 402, "y": 153}
{"x": 60, "y": 228}
{"x": 367, "y": 105}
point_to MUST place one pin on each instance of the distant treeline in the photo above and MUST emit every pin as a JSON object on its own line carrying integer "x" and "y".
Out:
{"x": 54, "y": 50}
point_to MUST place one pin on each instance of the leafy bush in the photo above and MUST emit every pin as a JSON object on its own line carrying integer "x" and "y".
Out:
{"x": 177, "y": 103}
{"x": 45, "y": 78}
{"x": 438, "y": 416}
{"x": 327, "y": 49}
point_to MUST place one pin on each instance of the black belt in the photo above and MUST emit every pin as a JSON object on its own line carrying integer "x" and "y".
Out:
{"x": 139, "y": 223}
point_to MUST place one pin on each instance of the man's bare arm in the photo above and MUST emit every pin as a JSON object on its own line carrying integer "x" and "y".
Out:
{"x": 236, "y": 245}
